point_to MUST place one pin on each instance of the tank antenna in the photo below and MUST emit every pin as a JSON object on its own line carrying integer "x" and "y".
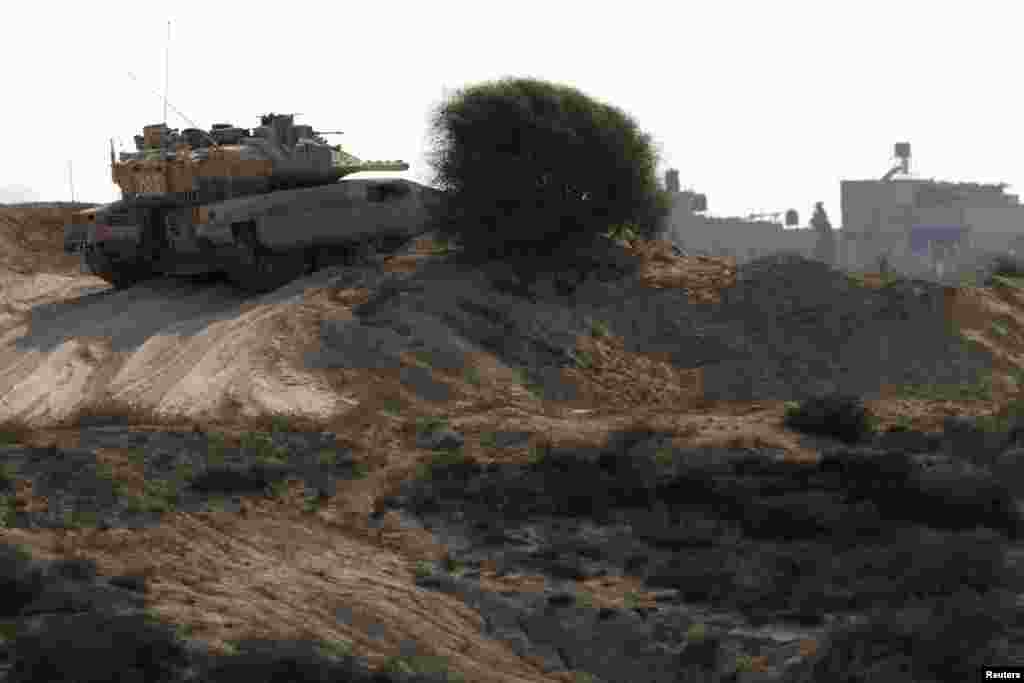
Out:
{"x": 167, "y": 68}
{"x": 178, "y": 112}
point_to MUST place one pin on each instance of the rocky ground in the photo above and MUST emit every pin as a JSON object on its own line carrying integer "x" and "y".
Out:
{"x": 540, "y": 479}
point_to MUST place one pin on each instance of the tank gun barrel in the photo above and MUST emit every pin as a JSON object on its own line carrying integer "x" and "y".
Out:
{"x": 328, "y": 132}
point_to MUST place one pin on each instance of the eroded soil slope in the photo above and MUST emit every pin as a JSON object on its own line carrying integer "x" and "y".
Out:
{"x": 364, "y": 353}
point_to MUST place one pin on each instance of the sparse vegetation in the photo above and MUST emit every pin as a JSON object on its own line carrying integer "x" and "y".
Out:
{"x": 472, "y": 376}
{"x": 429, "y": 424}
{"x": 979, "y": 391}
{"x": 335, "y": 648}
{"x": 538, "y": 453}
{"x": 696, "y": 631}
{"x": 7, "y": 511}
{"x": 523, "y": 378}
{"x": 452, "y": 566}
{"x": 583, "y": 359}
{"x": 744, "y": 664}
{"x": 421, "y": 664}
{"x": 599, "y": 328}
{"x": 583, "y": 599}
{"x": 903, "y": 423}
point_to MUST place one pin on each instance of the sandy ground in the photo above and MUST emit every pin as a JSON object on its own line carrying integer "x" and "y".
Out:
{"x": 205, "y": 352}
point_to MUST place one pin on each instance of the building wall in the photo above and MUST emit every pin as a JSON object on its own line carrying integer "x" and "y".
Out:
{"x": 874, "y": 206}
{"x": 1001, "y": 220}
{"x": 735, "y": 237}
{"x": 878, "y": 214}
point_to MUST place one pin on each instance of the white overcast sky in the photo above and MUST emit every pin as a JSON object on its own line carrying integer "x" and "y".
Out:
{"x": 763, "y": 106}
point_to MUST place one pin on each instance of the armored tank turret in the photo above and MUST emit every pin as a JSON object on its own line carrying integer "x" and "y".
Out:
{"x": 228, "y": 161}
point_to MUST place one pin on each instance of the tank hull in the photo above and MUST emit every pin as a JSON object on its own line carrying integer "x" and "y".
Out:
{"x": 261, "y": 241}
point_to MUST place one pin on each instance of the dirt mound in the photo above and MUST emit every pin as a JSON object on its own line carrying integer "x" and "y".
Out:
{"x": 369, "y": 354}
{"x": 32, "y": 239}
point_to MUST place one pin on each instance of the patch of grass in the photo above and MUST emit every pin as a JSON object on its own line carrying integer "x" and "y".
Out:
{"x": 1016, "y": 282}
{"x": 424, "y": 665}
{"x": 524, "y": 379}
{"x": 184, "y": 472}
{"x": 430, "y": 423}
{"x": 472, "y": 376}
{"x": 903, "y": 424}
{"x": 452, "y": 566}
{"x": 360, "y": 470}
{"x": 423, "y": 359}
{"x": 8, "y": 631}
{"x": 137, "y": 456}
{"x": 215, "y": 447}
{"x": 489, "y": 440}
{"x": 1000, "y": 328}
{"x": 538, "y": 453}
{"x": 105, "y": 471}
{"x": 583, "y": 677}
{"x": 327, "y": 457}
{"x": 441, "y": 459}
{"x": 584, "y": 599}
{"x": 663, "y": 456}
{"x": 336, "y": 649}
{"x": 78, "y": 519}
{"x": 274, "y": 458}
{"x": 278, "y": 489}
{"x": 423, "y": 569}
{"x": 696, "y": 632}
{"x": 990, "y": 423}
{"x": 744, "y": 664}
{"x": 599, "y": 328}
{"x": 392, "y": 407}
{"x": 631, "y": 600}
{"x": 279, "y": 423}
{"x": 157, "y": 496}
{"x": 7, "y": 473}
{"x": 8, "y": 438}
{"x": 217, "y": 503}
{"x": 979, "y": 391}
{"x": 263, "y": 446}
{"x": 442, "y": 247}
{"x": 448, "y": 456}
{"x": 582, "y": 359}
{"x": 7, "y": 511}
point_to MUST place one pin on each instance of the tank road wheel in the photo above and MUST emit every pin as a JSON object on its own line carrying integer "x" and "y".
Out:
{"x": 120, "y": 274}
{"x": 259, "y": 270}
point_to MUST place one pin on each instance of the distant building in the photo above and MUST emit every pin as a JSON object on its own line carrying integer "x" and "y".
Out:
{"x": 742, "y": 238}
{"x": 925, "y": 224}
{"x": 917, "y": 221}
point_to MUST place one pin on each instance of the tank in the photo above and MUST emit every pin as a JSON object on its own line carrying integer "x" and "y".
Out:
{"x": 264, "y": 205}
